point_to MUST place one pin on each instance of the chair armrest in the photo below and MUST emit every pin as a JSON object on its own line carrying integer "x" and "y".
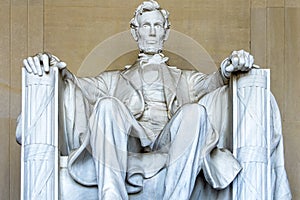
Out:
{"x": 39, "y": 156}
{"x": 251, "y": 133}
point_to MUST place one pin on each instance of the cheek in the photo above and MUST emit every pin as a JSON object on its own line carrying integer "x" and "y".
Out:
{"x": 161, "y": 34}
{"x": 142, "y": 32}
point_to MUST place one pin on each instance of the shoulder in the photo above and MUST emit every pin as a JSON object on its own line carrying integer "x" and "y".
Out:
{"x": 110, "y": 73}
{"x": 191, "y": 73}
{"x": 107, "y": 75}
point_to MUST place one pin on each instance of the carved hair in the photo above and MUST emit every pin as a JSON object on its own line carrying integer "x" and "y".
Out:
{"x": 147, "y": 6}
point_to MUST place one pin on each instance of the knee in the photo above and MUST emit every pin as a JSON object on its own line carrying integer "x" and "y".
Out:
{"x": 191, "y": 111}
{"x": 107, "y": 103}
{"x": 194, "y": 110}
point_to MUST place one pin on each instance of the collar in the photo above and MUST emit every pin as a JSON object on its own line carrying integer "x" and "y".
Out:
{"x": 145, "y": 59}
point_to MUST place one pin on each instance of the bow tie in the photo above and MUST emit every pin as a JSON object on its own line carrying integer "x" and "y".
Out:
{"x": 152, "y": 59}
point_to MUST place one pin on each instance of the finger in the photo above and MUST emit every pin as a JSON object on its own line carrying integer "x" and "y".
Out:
{"x": 45, "y": 60}
{"x": 241, "y": 52}
{"x": 235, "y": 61}
{"x": 251, "y": 60}
{"x": 32, "y": 65}
{"x": 234, "y": 53}
{"x": 247, "y": 54}
{"x": 242, "y": 60}
{"x": 61, "y": 65}
{"x": 26, "y": 65}
{"x": 38, "y": 65}
{"x": 247, "y": 59}
{"x": 245, "y": 68}
{"x": 255, "y": 66}
{"x": 230, "y": 68}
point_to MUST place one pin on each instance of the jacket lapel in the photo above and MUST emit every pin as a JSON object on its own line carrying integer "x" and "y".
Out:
{"x": 133, "y": 76}
{"x": 130, "y": 80}
{"x": 128, "y": 90}
{"x": 171, "y": 77}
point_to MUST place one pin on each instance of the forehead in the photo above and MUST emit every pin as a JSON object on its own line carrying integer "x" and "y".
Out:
{"x": 151, "y": 17}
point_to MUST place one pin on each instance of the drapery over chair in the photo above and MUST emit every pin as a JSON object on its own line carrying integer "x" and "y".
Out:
{"x": 252, "y": 133}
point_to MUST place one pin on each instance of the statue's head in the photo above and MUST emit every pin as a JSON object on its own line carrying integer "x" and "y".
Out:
{"x": 150, "y": 27}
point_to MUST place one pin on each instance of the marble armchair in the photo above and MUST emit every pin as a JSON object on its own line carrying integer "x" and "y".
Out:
{"x": 251, "y": 134}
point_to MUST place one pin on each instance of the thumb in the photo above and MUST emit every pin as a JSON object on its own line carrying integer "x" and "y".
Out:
{"x": 61, "y": 65}
{"x": 230, "y": 68}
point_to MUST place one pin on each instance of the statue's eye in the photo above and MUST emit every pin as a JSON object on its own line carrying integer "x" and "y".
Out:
{"x": 158, "y": 26}
{"x": 146, "y": 25}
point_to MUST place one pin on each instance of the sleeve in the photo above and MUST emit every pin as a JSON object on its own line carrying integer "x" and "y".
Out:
{"x": 79, "y": 97}
{"x": 93, "y": 88}
{"x": 200, "y": 84}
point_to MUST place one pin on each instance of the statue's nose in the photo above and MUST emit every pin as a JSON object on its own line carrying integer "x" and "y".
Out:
{"x": 152, "y": 31}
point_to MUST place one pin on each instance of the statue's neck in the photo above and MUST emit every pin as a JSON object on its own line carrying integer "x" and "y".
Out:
{"x": 158, "y": 58}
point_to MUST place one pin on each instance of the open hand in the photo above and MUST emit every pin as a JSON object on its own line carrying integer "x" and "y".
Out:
{"x": 41, "y": 63}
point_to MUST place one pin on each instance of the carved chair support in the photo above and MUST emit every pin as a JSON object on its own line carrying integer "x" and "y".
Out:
{"x": 39, "y": 165}
{"x": 251, "y": 134}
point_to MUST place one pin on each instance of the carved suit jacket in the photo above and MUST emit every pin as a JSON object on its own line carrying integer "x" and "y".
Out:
{"x": 181, "y": 86}
{"x": 81, "y": 94}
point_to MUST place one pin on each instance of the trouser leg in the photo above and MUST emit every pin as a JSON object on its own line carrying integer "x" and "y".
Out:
{"x": 110, "y": 125}
{"x": 190, "y": 134}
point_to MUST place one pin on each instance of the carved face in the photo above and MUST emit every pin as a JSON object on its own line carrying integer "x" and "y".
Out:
{"x": 151, "y": 34}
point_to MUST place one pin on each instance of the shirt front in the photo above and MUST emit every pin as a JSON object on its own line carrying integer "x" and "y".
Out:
{"x": 155, "y": 116}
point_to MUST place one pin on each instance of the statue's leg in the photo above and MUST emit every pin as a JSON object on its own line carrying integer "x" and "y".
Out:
{"x": 110, "y": 125}
{"x": 189, "y": 132}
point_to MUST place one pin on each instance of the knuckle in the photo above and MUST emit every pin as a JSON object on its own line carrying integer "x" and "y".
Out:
{"x": 44, "y": 56}
{"x": 30, "y": 60}
{"x": 35, "y": 58}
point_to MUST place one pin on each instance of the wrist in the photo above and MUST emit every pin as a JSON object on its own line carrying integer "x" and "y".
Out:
{"x": 225, "y": 74}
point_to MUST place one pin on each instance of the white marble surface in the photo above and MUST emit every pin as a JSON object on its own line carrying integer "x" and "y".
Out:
{"x": 93, "y": 97}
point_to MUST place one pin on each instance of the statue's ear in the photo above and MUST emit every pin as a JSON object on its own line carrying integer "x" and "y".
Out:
{"x": 134, "y": 34}
{"x": 167, "y": 34}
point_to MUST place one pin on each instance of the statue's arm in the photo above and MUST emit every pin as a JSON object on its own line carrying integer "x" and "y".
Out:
{"x": 200, "y": 84}
{"x": 92, "y": 88}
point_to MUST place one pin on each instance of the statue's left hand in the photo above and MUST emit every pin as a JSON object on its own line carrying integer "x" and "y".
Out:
{"x": 238, "y": 61}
